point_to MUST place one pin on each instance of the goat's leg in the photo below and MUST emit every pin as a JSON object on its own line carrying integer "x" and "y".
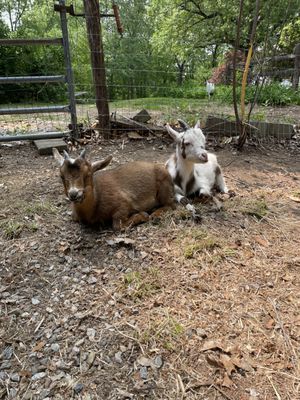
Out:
{"x": 180, "y": 196}
{"x": 121, "y": 221}
{"x": 159, "y": 211}
{"x": 220, "y": 184}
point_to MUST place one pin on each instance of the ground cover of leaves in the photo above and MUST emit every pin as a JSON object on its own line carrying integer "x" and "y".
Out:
{"x": 171, "y": 309}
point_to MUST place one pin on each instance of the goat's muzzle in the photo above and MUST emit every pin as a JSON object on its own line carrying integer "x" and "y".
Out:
{"x": 75, "y": 195}
{"x": 203, "y": 158}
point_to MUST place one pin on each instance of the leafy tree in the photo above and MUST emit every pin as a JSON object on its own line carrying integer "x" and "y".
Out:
{"x": 290, "y": 35}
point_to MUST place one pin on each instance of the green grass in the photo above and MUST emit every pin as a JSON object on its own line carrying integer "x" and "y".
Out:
{"x": 40, "y": 208}
{"x": 256, "y": 208}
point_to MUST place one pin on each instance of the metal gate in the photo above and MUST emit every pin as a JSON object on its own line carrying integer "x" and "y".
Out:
{"x": 67, "y": 78}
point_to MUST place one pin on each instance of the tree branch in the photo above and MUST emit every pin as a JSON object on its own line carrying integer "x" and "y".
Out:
{"x": 197, "y": 10}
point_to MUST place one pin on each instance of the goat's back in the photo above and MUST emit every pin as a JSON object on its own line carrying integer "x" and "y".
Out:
{"x": 140, "y": 185}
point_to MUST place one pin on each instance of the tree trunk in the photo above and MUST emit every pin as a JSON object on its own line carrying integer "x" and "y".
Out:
{"x": 180, "y": 72}
{"x": 93, "y": 24}
{"x": 214, "y": 56}
{"x": 296, "y": 75}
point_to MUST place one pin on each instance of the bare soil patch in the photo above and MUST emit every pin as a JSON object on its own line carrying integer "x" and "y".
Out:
{"x": 181, "y": 310}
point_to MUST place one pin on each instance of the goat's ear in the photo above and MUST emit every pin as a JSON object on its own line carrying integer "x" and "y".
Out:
{"x": 58, "y": 157}
{"x": 174, "y": 135}
{"x": 101, "y": 164}
{"x": 197, "y": 126}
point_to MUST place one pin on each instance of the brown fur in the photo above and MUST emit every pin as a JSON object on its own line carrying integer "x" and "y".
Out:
{"x": 122, "y": 195}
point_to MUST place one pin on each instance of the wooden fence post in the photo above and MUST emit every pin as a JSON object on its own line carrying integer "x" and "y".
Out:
{"x": 93, "y": 24}
{"x": 296, "y": 74}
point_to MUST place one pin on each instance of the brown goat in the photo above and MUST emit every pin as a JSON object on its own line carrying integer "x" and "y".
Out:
{"x": 123, "y": 195}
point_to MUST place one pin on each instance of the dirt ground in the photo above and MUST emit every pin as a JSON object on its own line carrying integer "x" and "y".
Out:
{"x": 171, "y": 309}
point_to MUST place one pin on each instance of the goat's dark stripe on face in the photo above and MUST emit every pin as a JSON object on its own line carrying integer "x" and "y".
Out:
{"x": 190, "y": 184}
{"x": 183, "y": 149}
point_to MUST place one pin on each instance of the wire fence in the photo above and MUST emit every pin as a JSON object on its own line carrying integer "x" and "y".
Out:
{"x": 165, "y": 91}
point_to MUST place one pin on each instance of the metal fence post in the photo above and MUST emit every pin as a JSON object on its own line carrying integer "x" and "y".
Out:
{"x": 68, "y": 66}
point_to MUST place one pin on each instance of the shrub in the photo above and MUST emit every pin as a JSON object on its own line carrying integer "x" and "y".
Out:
{"x": 269, "y": 95}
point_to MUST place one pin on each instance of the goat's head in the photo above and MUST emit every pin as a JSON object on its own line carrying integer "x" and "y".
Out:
{"x": 190, "y": 142}
{"x": 77, "y": 174}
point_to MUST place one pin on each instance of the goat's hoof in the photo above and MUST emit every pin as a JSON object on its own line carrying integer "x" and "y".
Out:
{"x": 197, "y": 218}
{"x": 184, "y": 201}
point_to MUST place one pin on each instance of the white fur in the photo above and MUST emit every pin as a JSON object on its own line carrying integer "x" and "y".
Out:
{"x": 197, "y": 162}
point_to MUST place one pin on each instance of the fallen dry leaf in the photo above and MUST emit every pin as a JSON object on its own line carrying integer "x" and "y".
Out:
{"x": 295, "y": 198}
{"x": 227, "y": 363}
{"x": 227, "y": 382}
{"x": 270, "y": 324}
{"x": 216, "y": 345}
{"x": 38, "y": 346}
{"x": 263, "y": 242}
{"x": 214, "y": 361}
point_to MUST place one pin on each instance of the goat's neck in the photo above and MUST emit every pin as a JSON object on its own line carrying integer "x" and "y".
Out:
{"x": 185, "y": 167}
{"x": 85, "y": 211}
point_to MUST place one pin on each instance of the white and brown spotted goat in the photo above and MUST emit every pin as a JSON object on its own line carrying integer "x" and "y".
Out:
{"x": 195, "y": 172}
{"x": 122, "y": 196}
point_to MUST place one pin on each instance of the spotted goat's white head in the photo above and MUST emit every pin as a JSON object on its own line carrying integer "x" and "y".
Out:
{"x": 190, "y": 142}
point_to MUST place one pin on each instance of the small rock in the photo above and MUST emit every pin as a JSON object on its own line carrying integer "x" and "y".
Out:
{"x": 7, "y": 353}
{"x": 158, "y": 362}
{"x": 91, "y": 332}
{"x": 15, "y": 377}
{"x": 144, "y": 373}
{"x": 3, "y": 376}
{"x": 92, "y": 280}
{"x": 5, "y": 365}
{"x": 13, "y": 393}
{"x": 118, "y": 357}
{"x": 76, "y": 350}
{"x": 44, "y": 395}
{"x": 49, "y": 310}
{"x": 144, "y": 361}
{"x": 38, "y": 376}
{"x": 201, "y": 332}
{"x": 55, "y": 347}
{"x": 35, "y": 301}
{"x": 78, "y": 388}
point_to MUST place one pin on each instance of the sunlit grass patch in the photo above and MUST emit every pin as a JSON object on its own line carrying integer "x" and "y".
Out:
{"x": 140, "y": 285}
{"x": 11, "y": 229}
{"x": 165, "y": 330}
{"x": 40, "y": 208}
{"x": 255, "y": 207}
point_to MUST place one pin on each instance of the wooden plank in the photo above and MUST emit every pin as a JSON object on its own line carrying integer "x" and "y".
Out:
{"x": 45, "y": 146}
{"x": 262, "y": 130}
{"x": 120, "y": 122}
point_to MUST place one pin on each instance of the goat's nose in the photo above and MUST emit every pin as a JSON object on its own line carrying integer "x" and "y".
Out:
{"x": 73, "y": 194}
{"x": 204, "y": 157}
